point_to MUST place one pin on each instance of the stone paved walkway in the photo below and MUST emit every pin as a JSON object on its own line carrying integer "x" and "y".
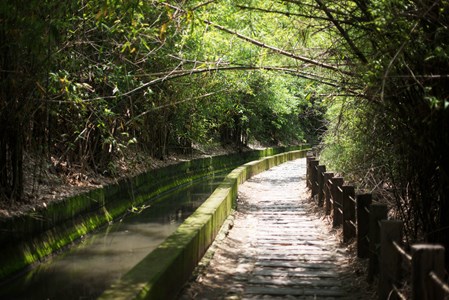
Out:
{"x": 275, "y": 247}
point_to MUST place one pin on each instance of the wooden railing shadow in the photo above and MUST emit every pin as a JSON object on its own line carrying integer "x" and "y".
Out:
{"x": 378, "y": 239}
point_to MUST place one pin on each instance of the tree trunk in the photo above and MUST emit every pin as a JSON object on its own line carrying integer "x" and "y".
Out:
{"x": 11, "y": 162}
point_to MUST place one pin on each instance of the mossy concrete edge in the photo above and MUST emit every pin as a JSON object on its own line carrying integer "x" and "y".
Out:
{"x": 163, "y": 272}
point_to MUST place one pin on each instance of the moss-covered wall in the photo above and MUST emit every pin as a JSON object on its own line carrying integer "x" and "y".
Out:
{"x": 28, "y": 238}
{"x": 162, "y": 273}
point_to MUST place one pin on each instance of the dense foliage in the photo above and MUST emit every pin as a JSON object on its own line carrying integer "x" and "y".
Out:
{"x": 83, "y": 81}
{"x": 393, "y": 137}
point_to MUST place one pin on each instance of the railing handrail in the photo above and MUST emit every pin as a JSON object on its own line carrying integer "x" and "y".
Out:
{"x": 438, "y": 281}
{"x": 405, "y": 256}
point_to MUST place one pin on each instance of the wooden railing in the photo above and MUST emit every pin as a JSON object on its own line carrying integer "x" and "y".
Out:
{"x": 379, "y": 239}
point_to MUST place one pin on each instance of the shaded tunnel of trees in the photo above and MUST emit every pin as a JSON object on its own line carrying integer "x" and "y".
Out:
{"x": 85, "y": 83}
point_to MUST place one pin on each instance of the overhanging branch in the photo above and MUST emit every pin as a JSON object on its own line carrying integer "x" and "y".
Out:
{"x": 163, "y": 76}
{"x": 278, "y": 50}
{"x": 307, "y": 16}
{"x": 343, "y": 32}
{"x": 272, "y": 48}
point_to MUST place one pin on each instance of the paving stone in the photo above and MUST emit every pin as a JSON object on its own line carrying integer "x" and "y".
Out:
{"x": 289, "y": 281}
{"x": 299, "y": 273}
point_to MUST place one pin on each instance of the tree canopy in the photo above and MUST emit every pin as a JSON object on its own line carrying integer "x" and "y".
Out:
{"x": 83, "y": 81}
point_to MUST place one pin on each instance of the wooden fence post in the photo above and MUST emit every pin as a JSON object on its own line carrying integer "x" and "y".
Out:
{"x": 390, "y": 258}
{"x": 327, "y": 192}
{"x": 321, "y": 169}
{"x": 309, "y": 158}
{"x": 348, "y": 213}
{"x": 377, "y": 212}
{"x": 363, "y": 203}
{"x": 426, "y": 258}
{"x": 337, "y": 182}
{"x": 314, "y": 176}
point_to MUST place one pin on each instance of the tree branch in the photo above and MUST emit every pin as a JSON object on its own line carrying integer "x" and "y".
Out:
{"x": 278, "y": 50}
{"x": 174, "y": 103}
{"x": 345, "y": 35}
{"x": 181, "y": 73}
{"x": 308, "y": 16}
{"x": 275, "y": 49}
{"x": 203, "y": 4}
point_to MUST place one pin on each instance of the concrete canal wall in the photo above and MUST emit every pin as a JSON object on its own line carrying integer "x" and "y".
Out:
{"x": 162, "y": 273}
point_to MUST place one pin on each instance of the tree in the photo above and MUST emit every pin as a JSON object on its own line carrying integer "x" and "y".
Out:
{"x": 398, "y": 133}
{"x": 28, "y": 36}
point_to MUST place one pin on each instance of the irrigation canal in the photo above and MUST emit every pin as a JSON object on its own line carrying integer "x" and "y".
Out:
{"x": 87, "y": 268}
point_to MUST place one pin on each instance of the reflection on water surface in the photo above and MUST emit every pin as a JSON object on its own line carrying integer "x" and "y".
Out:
{"x": 86, "y": 269}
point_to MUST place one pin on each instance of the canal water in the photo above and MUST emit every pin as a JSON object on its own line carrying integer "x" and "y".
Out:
{"x": 89, "y": 267}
